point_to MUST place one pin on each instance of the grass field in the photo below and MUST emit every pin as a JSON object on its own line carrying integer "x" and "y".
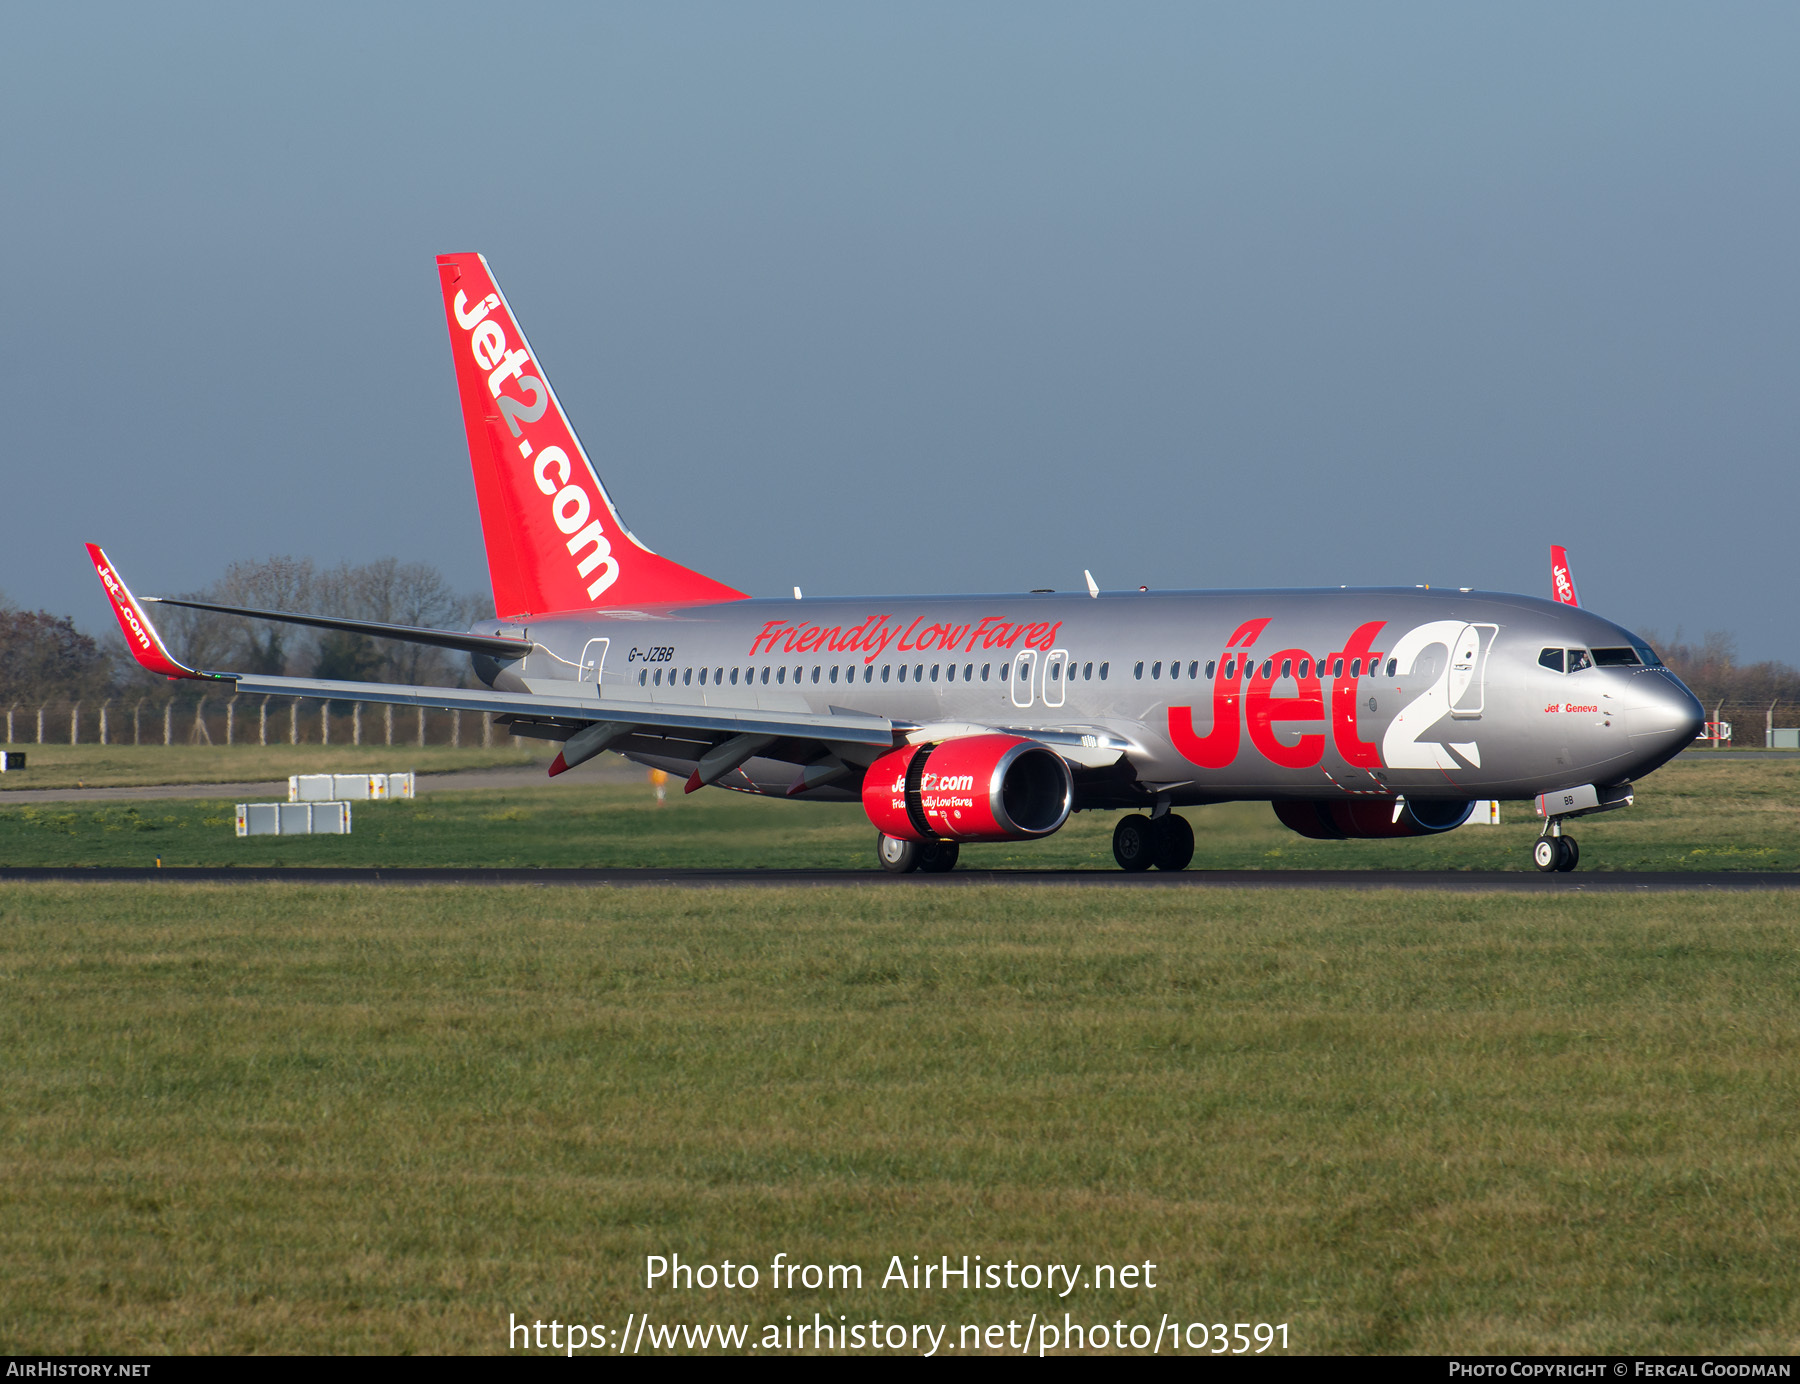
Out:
{"x": 116, "y": 766}
{"x": 1707, "y": 815}
{"x": 281, "y": 1118}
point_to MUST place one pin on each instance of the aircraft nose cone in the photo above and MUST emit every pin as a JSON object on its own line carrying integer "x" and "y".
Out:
{"x": 1662, "y": 718}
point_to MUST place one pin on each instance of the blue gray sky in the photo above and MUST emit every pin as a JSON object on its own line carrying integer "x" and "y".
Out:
{"x": 925, "y": 297}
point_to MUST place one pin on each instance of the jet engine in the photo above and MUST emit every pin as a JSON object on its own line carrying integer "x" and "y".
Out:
{"x": 1339, "y": 820}
{"x": 976, "y": 788}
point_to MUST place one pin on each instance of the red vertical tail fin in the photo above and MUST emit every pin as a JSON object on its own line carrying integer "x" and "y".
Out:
{"x": 1562, "y": 581}
{"x": 554, "y": 540}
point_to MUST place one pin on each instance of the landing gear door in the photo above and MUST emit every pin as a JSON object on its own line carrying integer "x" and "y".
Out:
{"x": 1468, "y": 670}
{"x": 1023, "y": 670}
{"x": 1056, "y": 672}
{"x": 593, "y": 661}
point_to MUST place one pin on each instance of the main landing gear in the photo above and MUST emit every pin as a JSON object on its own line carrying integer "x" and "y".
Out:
{"x": 903, "y": 857}
{"x": 1166, "y": 842}
{"x": 1555, "y": 853}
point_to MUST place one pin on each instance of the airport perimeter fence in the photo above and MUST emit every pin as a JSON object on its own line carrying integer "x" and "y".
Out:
{"x": 245, "y": 721}
{"x": 1744, "y": 726}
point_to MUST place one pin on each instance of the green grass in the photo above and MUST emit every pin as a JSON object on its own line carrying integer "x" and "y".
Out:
{"x": 1706, "y": 815}
{"x": 283, "y": 1118}
{"x": 120, "y": 766}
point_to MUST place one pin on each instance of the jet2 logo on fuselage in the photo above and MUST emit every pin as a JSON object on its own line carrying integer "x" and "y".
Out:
{"x": 1245, "y": 701}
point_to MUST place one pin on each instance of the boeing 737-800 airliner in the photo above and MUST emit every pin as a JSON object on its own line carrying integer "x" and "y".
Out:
{"x": 951, "y": 719}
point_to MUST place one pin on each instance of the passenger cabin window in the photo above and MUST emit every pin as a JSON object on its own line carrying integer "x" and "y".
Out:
{"x": 984, "y": 671}
{"x": 1087, "y": 672}
{"x": 918, "y": 672}
{"x": 1579, "y": 659}
{"x": 1393, "y": 663}
{"x": 1103, "y": 668}
{"x": 734, "y": 673}
{"x": 1337, "y": 667}
{"x": 1003, "y": 668}
{"x": 643, "y": 676}
{"x": 902, "y": 672}
{"x": 968, "y": 672}
{"x": 781, "y": 675}
{"x": 934, "y": 672}
{"x": 1138, "y": 672}
{"x": 1268, "y": 668}
{"x": 1287, "y": 667}
{"x": 815, "y": 672}
{"x": 884, "y": 672}
{"x": 1616, "y": 658}
{"x": 834, "y": 672}
{"x": 950, "y": 673}
{"x": 1210, "y": 665}
{"x": 1305, "y": 666}
{"x": 765, "y": 677}
{"x": 1156, "y": 669}
{"x": 1356, "y": 667}
{"x": 1194, "y": 668}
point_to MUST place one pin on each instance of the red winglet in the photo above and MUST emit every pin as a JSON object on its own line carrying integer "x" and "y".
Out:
{"x": 1562, "y": 580}
{"x": 140, "y": 635}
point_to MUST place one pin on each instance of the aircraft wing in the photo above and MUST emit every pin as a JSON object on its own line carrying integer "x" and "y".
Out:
{"x": 494, "y": 645}
{"x": 846, "y": 727}
{"x": 579, "y": 714}
{"x": 580, "y": 705}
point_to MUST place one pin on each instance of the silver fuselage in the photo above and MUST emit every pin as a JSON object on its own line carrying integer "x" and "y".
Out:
{"x": 1213, "y": 695}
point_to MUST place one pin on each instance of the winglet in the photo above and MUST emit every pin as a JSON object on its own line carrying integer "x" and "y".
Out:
{"x": 1562, "y": 581}
{"x": 145, "y": 643}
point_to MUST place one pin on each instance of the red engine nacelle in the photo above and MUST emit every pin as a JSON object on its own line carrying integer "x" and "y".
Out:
{"x": 977, "y": 788}
{"x": 1336, "y": 821}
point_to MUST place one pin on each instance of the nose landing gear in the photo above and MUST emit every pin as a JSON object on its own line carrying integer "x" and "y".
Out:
{"x": 1555, "y": 853}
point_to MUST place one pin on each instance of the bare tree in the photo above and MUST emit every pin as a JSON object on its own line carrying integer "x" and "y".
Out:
{"x": 1711, "y": 669}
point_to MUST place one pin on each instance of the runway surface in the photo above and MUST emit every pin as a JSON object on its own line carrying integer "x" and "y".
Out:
{"x": 1455, "y": 881}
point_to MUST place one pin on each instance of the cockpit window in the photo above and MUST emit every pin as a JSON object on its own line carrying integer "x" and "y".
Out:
{"x": 1579, "y": 659}
{"x": 1648, "y": 654}
{"x": 1617, "y": 658}
{"x": 1552, "y": 659}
